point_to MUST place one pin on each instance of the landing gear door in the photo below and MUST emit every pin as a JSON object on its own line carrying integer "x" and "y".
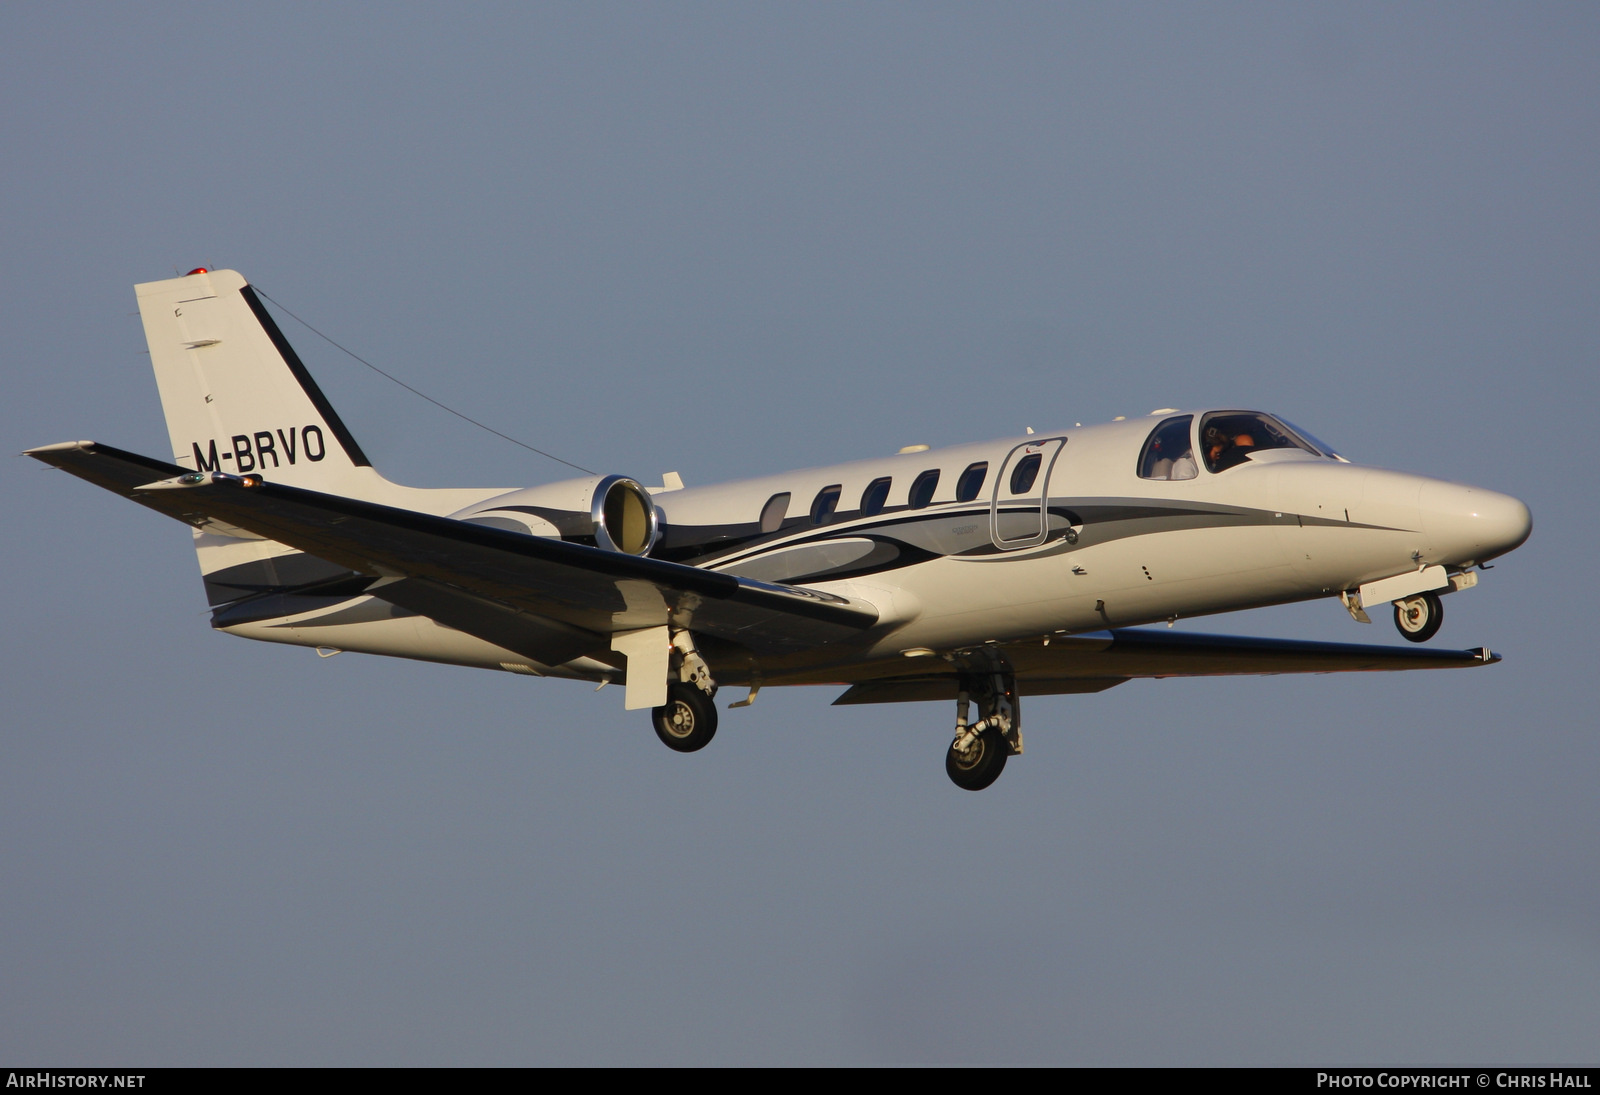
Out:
{"x": 1018, "y": 511}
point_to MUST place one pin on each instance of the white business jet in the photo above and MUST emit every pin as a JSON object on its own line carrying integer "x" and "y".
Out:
{"x": 974, "y": 573}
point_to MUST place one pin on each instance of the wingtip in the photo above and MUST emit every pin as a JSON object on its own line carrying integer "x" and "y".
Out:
{"x": 60, "y": 446}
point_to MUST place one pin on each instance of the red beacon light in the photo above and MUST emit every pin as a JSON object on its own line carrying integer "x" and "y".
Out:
{"x": 197, "y": 270}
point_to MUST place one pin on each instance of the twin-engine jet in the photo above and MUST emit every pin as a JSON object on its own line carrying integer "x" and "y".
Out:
{"x": 972, "y": 574}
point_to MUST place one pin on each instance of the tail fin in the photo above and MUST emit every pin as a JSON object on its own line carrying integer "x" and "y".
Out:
{"x": 237, "y": 398}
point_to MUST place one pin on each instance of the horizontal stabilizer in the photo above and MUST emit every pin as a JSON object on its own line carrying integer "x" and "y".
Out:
{"x": 114, "y": 469}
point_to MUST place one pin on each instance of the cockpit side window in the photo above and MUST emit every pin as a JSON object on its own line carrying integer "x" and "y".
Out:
{"x": 1228, "y": 438}
{"x": 1169, "y": 454}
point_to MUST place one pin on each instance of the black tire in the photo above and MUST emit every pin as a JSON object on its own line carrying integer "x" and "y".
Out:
{"x": 1418, "y": 618}
{"x": 687, "y": 721}
{"x": 991, "y": 761}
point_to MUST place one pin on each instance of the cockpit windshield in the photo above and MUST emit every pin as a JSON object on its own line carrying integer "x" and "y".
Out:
{"x": 1317, "y": 442}
{"x": 1227, "y": 438}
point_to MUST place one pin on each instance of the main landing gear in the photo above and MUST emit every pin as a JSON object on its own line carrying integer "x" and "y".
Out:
{"x": 1418, "y": 618}
{"x": 688, "y": 720}
{"x": 978, "y": 754}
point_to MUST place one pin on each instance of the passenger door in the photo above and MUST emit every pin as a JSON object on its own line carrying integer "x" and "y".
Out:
{"x": 1017, "y": 510}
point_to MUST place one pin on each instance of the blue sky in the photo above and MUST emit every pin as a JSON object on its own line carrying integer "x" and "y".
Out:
{"x": 732, "y": 239}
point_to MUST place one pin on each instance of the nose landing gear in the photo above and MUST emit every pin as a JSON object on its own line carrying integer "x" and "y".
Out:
{"x": 1418, "y": 618}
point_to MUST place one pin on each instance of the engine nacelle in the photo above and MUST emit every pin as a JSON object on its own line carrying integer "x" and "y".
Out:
{"x": 613, "y": 512}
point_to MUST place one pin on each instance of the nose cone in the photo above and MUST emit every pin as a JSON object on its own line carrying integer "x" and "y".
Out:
{"x": 1470, "y": 524}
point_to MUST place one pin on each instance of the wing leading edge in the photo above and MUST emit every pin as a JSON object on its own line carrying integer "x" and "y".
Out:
{"x": 1105, "y": 659}
{"x": 590, "y": 589}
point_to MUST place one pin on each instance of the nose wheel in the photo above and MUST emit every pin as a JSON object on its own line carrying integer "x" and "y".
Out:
{"x": 1418, "y": 618}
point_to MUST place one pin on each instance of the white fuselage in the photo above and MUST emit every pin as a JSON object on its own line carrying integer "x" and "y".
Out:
{"x": 1088, "y": 541}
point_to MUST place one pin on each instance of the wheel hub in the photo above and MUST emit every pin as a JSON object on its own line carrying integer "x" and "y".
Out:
{"x": 682, "y": 719}
{"x": 970, "y": 755}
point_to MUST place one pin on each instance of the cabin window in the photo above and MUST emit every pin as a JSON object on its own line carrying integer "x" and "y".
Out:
{"x": 1228, "y": 438}
{"x": 971, "y": 481}
{"x": 826, "y": 503}
{"x": 873, "y": 498}
{"x": 1023, "y": 475}
{"x": 922, "y": 488}
{"x": 1169, "y": 454}
{"x": 773, "y": 513}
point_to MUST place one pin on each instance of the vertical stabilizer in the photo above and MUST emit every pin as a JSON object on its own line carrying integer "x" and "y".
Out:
{"x": 237, "y": 398}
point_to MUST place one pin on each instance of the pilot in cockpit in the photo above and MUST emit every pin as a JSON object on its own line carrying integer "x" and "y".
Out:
{"x": 1227, "y": 440}
{"x": 1224, "y": 452}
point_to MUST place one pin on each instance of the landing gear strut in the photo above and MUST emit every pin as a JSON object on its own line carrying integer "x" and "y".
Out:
{"x": 1419, "y": 617}
{"x": 688, "y": 720}
{"x": 978, "y": 754}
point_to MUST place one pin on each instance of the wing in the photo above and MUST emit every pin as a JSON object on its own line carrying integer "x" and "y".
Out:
{"x": 1095, "y": 662}
{"x": 478, "y": 579}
